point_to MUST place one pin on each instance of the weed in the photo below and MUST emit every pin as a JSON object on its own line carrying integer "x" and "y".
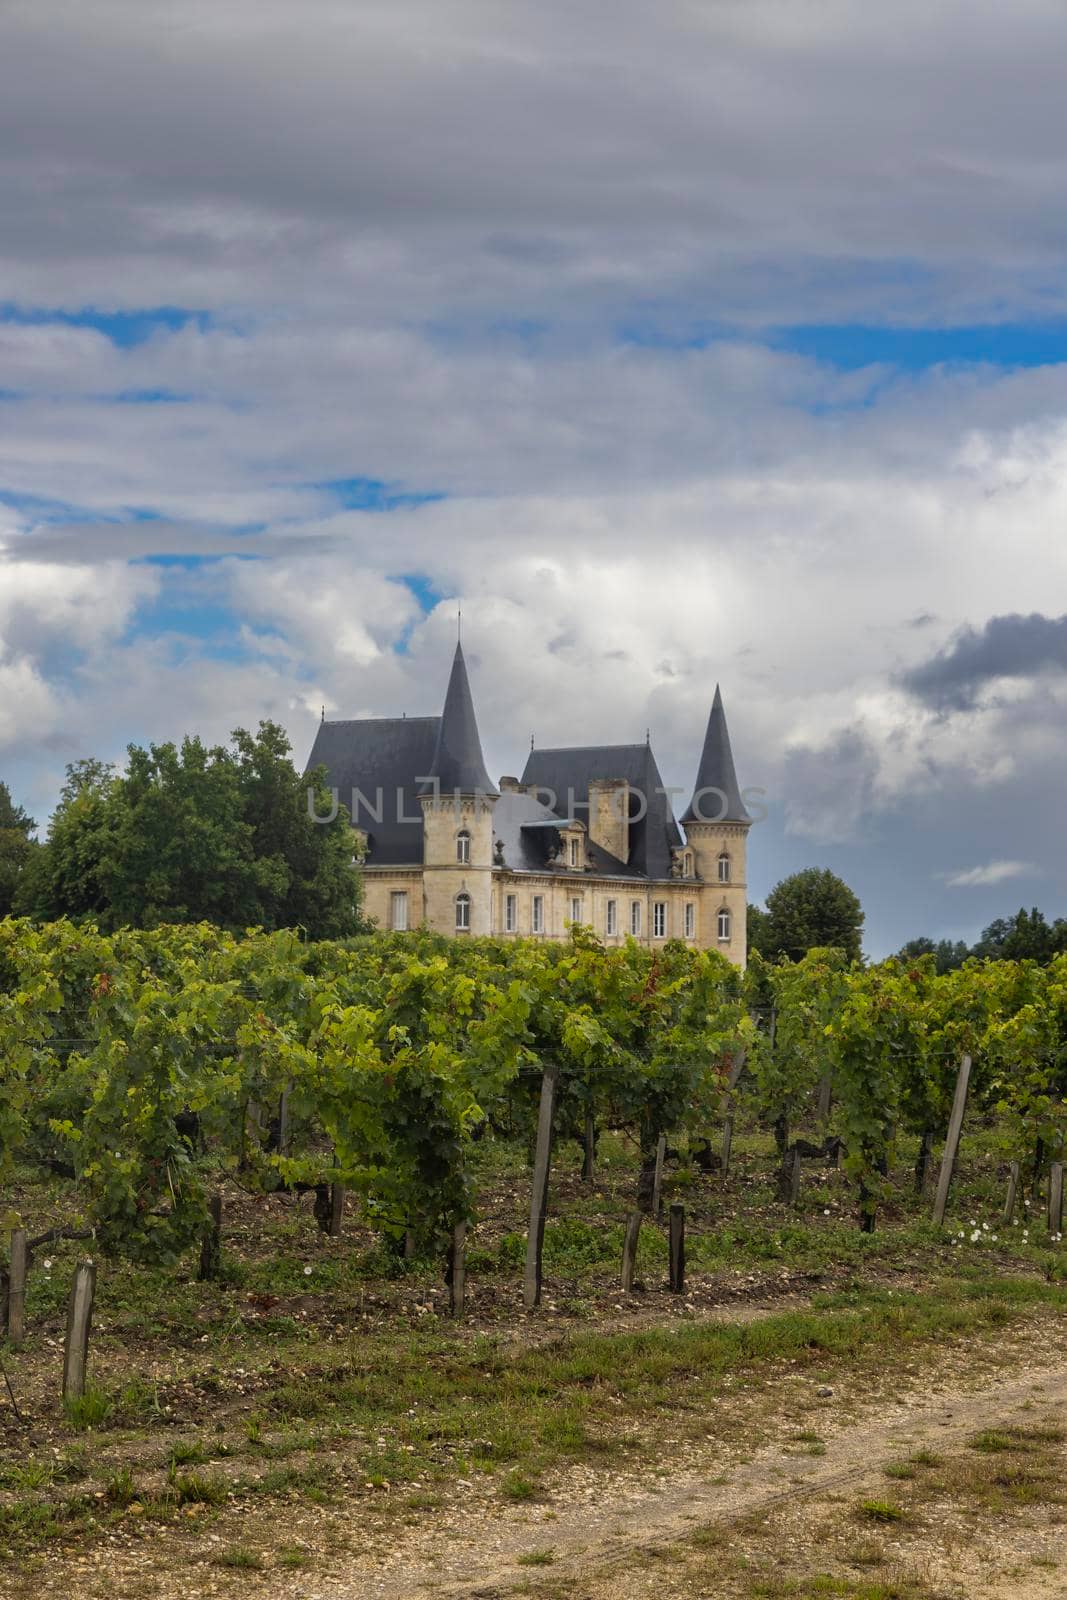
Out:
{"x": 535, "y": 1558}
{"x": 120, "y": 1489}
{"x": 518, "y": 1487}
{"x": 89, "y": 1410}
{"x": 197, "y": 1488}
{"x": 991, "y": 1441}
{"x": 881, "y": 1511}
{"x": 240, "y": 1557}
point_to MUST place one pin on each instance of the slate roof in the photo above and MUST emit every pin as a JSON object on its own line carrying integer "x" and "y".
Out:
{"x": 567, "y": 773}
{"x": 378, "y": 756}
{"x": 716, "y": 772}
{"x": 458, "y": 765}
{"x": 529, "y": 833}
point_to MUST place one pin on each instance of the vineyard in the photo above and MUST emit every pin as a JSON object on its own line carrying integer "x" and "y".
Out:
{"x": 269, "y": 1146}
{"x": 148, "y": 1067}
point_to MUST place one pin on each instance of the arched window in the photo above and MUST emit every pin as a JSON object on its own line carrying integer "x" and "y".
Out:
{"x": 724, "y": 926}
{"x": 463, "y": 847}
{"x": 687, "y": 864}
{"x": 463, "y": 913}
{"x": 724, "y": 867}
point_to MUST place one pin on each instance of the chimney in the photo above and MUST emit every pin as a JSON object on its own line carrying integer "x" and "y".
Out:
{"x": 609, "y": 816}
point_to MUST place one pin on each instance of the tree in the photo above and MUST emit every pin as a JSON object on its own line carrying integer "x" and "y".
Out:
{"x": 1025, "y": 937}
{"x": 16, "y": 848}
{"x": 948, "y": 954}
{"x": 195, "y": 833}
{"x": 65, "y": 876}
{"x": 810, "y": 910}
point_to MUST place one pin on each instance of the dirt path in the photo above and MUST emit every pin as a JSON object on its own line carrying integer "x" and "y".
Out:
{"x": 589, "y": 1536}
{"x": 783, "y": 1454}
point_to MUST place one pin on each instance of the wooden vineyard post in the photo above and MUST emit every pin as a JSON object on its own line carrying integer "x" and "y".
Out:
{"x": 79, "y": 1322}
{"x": 16, "y": 1288}
{"x": 211, "y": 1243}
{"x": 794, "y": 1178}
{"x": 1011, "y": 1199}
{"x": 737, "y": 1066}
{"x": 535, "y": 1239}
{"x": 337, "y": 1209}
{"x": 826, "y": 1091}
{"x": 589, "y": 1150}
{"x": 952, "y": 1141}
{"x": 1055, "y": 1199}
{"x": 677, "y": 1247}
{"x": 283, "y": 1122}
{"x": 629, "y": 1251}
{"x": 457, "y": 1270}
{"x": 657, "y": 1181}
{"x": 922, "y": 1162}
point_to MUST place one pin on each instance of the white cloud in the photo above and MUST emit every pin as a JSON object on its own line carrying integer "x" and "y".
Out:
{"x": 992, "y": 872}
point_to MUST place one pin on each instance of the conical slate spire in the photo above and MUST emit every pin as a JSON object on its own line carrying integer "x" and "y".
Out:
{"x": 457, "y": 761}
{"x": 717, "y": 796}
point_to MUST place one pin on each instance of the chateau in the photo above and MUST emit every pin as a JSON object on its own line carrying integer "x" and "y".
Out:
{"x": 586, "y": 835}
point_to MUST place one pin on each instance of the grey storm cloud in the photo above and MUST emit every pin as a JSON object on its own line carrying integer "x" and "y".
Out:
{"x": 477, "y": 154}
{"x": 1007, "y": 647}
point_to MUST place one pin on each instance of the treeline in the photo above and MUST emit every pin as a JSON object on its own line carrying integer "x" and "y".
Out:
{"x": 1028, "y": 936}
{"x": 188, "y": 833}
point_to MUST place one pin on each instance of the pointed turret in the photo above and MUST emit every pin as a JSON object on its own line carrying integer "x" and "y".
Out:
{"x": 458, "y": 765}
{"x": 717, "y": 795}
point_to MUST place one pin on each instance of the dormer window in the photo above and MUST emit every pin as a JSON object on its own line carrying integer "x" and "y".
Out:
{"x": 463, "y": 847}
{"x": 687, "y": 864}
{"x": 574, "y": 848}
{"x": 724, "y": 867}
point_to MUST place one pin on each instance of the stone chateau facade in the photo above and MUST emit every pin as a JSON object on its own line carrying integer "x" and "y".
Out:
{"x": 586, "y": 835}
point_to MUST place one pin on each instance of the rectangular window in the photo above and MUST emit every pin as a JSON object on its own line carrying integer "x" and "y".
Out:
{"x": 511, "y": 912}
{"x": 612, "y": 922}
{"x": 690, "y": 920}
{"x": 538, "y": 913}
{"x": 659, "y": 919}
{"x": 576, "y": 909}
{"x": 635, "y": 918}
{"x": 574, "y": 852}
{"x": 398, "y": 911}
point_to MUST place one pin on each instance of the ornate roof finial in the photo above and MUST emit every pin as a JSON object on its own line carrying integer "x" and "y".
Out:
{"x": 459, "y": 624}
{"x": 323, "y": 718}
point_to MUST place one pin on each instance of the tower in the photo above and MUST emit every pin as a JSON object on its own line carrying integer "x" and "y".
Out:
{"x": 716, "y": 829}
{"x": 457, "y": 799}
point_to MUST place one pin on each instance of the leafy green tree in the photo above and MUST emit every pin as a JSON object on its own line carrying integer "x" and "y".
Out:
{"x": 810, "y": 910}
{"x": 948, "y": 954}
{"x": 195, "y": 833}
{"x": 1027, "y": 936}
{"x": 66, "y": 876}
{"x": 16, "y": 847}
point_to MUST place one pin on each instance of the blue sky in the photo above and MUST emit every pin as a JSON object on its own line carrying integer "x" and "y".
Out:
{"x": 750, "y": 369}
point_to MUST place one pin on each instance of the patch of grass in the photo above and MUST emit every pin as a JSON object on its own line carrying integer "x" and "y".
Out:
{"x": 198, "y": 1488}
{"x": 292, "y": 1556}
{"x": 881, "y": 1511}
{"x": 239, "y": 1556}
{"x": 991, "y": 1441}
{"x": 121, "y": 1488}
{"x": 89, "y": 1410}
{"x": 900, "y": 1469}
{"x": 185, "y": 1453}
{"x": 535, "y": 1558}
{"x": 516, "y": 1486}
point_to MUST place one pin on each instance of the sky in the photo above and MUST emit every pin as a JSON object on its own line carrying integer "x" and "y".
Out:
{"x": 715, "y": 341}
